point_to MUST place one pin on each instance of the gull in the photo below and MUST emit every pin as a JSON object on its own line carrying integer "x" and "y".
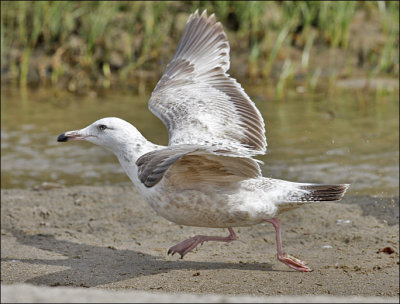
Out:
{"x": 206, "y": 176}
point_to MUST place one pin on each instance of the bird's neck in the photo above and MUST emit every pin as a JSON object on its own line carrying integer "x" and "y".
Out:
{"x": 131, "y": 151}
{"x": 129, "y": 154}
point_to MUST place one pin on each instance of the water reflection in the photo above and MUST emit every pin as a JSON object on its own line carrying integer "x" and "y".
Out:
{"x": 349, "y": 137}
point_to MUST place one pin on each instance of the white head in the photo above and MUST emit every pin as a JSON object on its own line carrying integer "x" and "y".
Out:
{"x": 112, "y": 133}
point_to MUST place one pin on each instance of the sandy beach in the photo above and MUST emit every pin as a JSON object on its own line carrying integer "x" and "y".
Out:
{"x": 109, "y": 238}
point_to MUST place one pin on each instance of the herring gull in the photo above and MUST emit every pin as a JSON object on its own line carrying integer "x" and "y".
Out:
{"x": 206, "y": 176}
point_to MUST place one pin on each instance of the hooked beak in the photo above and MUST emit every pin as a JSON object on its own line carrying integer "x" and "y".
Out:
{"x": 71, "y": 135}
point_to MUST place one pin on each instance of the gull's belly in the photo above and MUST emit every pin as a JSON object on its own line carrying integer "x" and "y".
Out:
{"x": 201, "y": 208}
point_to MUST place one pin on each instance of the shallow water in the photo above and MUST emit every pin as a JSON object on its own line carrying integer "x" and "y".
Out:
{"x": 349, "y": 136}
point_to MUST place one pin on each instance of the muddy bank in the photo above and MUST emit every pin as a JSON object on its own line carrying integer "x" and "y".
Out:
{"x": 107, "y": 237}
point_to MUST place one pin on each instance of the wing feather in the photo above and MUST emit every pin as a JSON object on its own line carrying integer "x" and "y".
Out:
{"x": 189, "y": 166}
{"x": 196, "y": 99}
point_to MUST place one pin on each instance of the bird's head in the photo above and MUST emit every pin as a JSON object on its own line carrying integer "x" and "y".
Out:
{"x": 111, "y": 133}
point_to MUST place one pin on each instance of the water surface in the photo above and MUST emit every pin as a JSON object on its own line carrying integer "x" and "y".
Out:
{"x": 347, "y": 137}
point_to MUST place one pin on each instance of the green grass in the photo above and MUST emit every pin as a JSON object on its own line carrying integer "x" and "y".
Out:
{"x": 81, "y": 44}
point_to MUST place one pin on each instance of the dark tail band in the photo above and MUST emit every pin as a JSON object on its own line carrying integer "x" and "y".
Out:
{"x": 320, "y": 192}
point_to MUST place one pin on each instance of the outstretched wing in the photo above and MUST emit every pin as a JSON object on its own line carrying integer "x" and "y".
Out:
{"x": 199, "y": 102}
{"x": 191, "y": 166}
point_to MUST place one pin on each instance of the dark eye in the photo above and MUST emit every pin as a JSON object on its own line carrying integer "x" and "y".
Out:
{"x": 102, "y": 127}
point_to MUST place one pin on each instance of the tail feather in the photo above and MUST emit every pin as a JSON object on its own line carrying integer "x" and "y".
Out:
{"x": 321, "y": 192}
{"x": 301, "y": 193}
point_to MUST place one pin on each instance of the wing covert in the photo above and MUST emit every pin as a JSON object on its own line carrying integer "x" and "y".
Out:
{"x": 195, "y": 166}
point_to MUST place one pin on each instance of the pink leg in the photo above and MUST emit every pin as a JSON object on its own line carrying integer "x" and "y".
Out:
{"x": 189, "y": 244}
{"x": 290, "y": 261}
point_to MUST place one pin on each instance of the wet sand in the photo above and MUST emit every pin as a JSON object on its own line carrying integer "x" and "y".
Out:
{"x": 109, "y": 238}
